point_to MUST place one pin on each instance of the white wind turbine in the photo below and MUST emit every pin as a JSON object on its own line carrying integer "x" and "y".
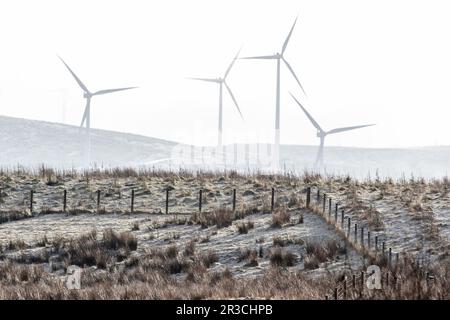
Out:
{"x": 222, "y": 82}
{"x": 280, "y": 57}
{"x": 322, "y": 133}
{"x": 87, "y": 110}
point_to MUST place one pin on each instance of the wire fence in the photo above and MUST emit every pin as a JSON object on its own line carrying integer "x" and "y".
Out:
{"x": 361, "y": 236}
{"x": 168, "y": 200}
{"x": 366, "y": 241}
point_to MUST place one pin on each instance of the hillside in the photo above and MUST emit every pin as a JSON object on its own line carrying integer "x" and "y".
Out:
{"x": 31, "y": 143}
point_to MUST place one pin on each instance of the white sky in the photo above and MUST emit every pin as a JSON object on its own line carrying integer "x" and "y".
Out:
{"x": 360, "y": 61}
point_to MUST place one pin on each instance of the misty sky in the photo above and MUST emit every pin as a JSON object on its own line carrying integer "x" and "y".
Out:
{"x": 360, "y": 61}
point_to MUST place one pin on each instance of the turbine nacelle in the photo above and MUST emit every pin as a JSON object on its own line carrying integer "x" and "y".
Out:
{"x": 321, "y": 134}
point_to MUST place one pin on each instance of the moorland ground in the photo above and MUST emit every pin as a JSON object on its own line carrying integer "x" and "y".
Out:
{"x": 254, "y": 251}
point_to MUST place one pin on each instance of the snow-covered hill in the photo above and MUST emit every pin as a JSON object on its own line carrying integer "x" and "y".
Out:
{"x": 32, "y": 143}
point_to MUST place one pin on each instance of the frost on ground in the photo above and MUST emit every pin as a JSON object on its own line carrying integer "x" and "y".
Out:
{"x": 411, "y": 215}
{"x": 289, "y": 252}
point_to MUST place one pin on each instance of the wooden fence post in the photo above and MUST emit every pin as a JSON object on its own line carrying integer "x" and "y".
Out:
{"x": 167, "y": 201}
{"x": 368, "y": 239}
{"x": 354, "y": 281}
{"x": 383, "y": 247}
{"x": 362, "y": 237}
{"x": 390, "y": 257}
{"x": 376, "y": 243}
{"x": 308, "y": 197}
{"x": 234, "y": 199}
{"x": 98, "y": 201}
{"x": 336, "y": 207}
{"x": 336, "y": 293}
{"x": 342, "y": 219}
{"x": 65, "y": 200}
{"x": 318, "y": 195}
{"x": 363, "y": 280}
{"x": 31, "y": 200}
{"x": 132, "y": 200}
{"x": 329, "y": 204}
{"x": 329, "y": 215}
{"x": 200, "y": 196}
{"x": 335, "y": 217}
{"x": 324, "y": 202}
{"x": 349, "y": 227}
{"x": 272, "y": 205}
{"x": 356, "y": 233}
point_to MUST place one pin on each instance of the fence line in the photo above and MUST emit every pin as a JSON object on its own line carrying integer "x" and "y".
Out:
{"x": 94, "y": 203}
{"x": 364, "y": 246}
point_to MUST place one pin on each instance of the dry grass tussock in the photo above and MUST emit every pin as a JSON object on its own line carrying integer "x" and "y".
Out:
{"x": 280, "y": 218}
{"x": 151, "y": 275}
{"x": 153, "y": 284}
{"x": 87, "y": 250}
{"x": 320, "y": 252}
{"x": 221, "y": 218}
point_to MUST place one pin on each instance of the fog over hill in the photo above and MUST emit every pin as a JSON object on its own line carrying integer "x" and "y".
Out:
{"x": 32, "y": 143}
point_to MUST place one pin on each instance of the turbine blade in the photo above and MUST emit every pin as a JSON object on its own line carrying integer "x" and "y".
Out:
{"x": 80, "y": 83}
{"x": 112, "y": 90}
{"x": 260, "y": 57}
{"x": 205, "y": 79}
{"x": 315, "y": 124}
{"x": 231, "y": 65}
{"x": 288, "y": 37}
{"x": 234, "y": 100}
{"x": 348, "y": 128}
{"x": 295, "y": 76}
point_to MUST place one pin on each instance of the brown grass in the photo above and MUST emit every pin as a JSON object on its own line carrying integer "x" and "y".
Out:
{"x": 279, "y": 218}
{"x": 282, "y": 258}
{"x": 244, "y": 227}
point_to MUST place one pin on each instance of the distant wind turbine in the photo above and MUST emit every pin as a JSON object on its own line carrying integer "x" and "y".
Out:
{"x": 322, "y": 133}
{"x": 222, "y": 82}
{"x": 280, "y": 57}
{"x": 87, "y": 111}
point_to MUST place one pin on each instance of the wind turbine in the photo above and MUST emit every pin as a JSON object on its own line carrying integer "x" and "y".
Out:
{"x": 222, "y": 82}
{"x": 279, "y": 57}
{"x": 322, "y": 133}
{"x": 87, "y": 110}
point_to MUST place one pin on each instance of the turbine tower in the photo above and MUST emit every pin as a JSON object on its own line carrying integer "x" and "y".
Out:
{"x": 322, "y": 133}
{"x": 279, "y": 57}
{"x": 222, "y": 82}
{"x": 87, "y": 110}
